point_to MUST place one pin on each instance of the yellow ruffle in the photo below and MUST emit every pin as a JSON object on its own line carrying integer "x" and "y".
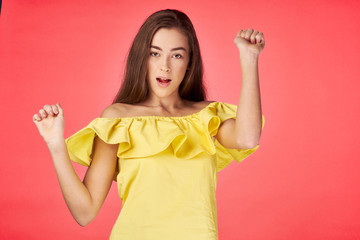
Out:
{"x": 213, "y": 116}
{"x": 138, "y": 137}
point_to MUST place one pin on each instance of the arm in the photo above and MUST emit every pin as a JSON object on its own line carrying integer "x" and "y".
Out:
{"x": 244, "y": 132}
{"x": 84, "y": 199}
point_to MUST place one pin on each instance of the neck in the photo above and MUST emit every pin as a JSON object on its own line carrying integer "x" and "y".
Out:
{"x": 165, "y": 103}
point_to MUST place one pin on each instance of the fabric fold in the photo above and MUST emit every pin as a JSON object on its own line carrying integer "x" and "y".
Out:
{"x": 213, "y": 116}
{"x": 139, "y": 137}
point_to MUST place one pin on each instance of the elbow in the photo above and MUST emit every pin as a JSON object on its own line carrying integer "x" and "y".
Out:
{"x": 252, "y": 145}
{"x": 248, "y": 140}
{"x": 241, "y": 144}
{"x": 246, "y": 145}
{"x": 84, "y": 219}
{"x": 83, "y": 222}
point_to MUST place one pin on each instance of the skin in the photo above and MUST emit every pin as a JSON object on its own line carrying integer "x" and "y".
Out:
{"x": 245, "y": 131}
{"x": 169, "y": 57}
{"x": 85, "y": 198}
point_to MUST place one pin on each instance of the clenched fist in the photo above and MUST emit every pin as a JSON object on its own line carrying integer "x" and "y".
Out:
{"x": 50, "y": 123}
{"x": 250, "y": 42}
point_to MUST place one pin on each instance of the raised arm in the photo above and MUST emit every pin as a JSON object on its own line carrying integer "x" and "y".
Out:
{"x": 245, "y": 131}
{"x": 84, "y": 199}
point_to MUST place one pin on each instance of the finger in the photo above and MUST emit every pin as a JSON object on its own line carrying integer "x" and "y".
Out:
{"x": 54, "y": 109}
{"x": 48, "y": 110}
{"x": 43, "y": 114}
{"x": 248, "y": 33}
{"x": 238, "y": 35}
{"x": 242, "y": 33}
{"x": 253, "y": 35}
{"x": 260, "y": 38}
{"x": 36, "y": 117}
{"x": 61, "y": 111}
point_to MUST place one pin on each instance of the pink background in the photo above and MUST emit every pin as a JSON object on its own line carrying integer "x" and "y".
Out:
{"x": 302, "y": 183}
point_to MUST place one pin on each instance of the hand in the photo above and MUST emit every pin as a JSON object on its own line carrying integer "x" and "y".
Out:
{"x": 250, "y": 42}
{"x": 50, "y": 123}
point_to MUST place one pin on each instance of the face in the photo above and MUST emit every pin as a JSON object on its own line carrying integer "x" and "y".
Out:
{"x": 168, "y": 62}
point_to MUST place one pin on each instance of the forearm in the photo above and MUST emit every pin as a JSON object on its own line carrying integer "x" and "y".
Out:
{"x": 76, "y": 195}
{"x": 249, "y": 114}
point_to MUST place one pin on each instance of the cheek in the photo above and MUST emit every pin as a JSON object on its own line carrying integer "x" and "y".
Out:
{"x": 149, "y": 72}
{"x": 149, "y": 66}
{"x": 151, "y": 69}
{"x": 181, "y": 67}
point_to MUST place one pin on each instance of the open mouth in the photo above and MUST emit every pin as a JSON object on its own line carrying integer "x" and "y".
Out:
{"x": 163, "y": 80}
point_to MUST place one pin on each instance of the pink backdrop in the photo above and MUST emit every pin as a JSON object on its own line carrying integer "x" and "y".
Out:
{"x": 302, "y": 183}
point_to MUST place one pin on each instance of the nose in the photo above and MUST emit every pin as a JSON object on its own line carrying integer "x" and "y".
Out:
{"x": 165, "y": 66}
{"x": 165, "y": 69}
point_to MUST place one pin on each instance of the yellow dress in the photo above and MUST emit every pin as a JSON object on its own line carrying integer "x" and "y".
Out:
{"x": 167, "y": 171}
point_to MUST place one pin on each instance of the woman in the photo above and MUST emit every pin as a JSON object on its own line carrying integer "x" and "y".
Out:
{"x": 160, "y": 140}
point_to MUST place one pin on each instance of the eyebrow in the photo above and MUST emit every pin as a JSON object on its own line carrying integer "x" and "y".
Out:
{"x": 173, "y": 49}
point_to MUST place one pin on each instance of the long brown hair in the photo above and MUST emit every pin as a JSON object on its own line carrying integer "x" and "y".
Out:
{"x": 134, "y": 88}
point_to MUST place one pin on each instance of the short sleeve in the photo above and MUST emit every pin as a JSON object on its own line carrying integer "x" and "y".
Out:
{"x": 213, "y": 116}
{"x": 110, "y": 130}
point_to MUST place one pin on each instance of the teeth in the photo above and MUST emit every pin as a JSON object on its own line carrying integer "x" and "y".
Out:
{"x": 164, "y": 79}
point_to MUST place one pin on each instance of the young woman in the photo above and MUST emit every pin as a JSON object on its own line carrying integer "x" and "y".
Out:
{"x": 160, "y": 140}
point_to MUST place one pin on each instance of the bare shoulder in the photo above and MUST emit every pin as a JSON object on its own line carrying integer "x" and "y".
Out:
{"x": 123, "y": 110}
{"x": 117, "y": 110}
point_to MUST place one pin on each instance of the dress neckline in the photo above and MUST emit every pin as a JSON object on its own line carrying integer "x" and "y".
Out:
{"x": 164, "y": 117}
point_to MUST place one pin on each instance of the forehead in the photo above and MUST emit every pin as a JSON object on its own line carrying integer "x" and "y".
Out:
{"x": 170, "y": 38}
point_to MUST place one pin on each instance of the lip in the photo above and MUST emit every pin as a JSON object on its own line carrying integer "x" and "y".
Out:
{"x": 163, "y": 77}
{"x": 163, "y": 84}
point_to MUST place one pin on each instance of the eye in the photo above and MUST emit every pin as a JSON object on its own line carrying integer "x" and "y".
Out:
{"x": 177, "y": 56}
{"x": 154, "y": 54}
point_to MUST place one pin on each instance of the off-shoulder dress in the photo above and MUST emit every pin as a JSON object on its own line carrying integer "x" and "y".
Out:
{"x": 166, "y": 171}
